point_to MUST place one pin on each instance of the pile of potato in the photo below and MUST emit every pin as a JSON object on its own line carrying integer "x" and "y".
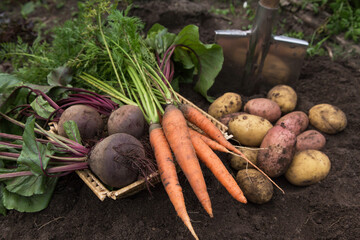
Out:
{"x": 277, "y": 138}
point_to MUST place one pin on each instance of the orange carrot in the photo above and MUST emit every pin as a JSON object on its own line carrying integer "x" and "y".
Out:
{"x": 168, "y": 175}
{"x": 216, "y": 166}
{"x": 211, "y": 143}
{"x": 196, "y": 117}
{"x": 201, "y": 121}
{"x": 177, "y": 134}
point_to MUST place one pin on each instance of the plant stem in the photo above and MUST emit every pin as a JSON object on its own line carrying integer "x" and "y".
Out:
{"x": 109, "y": 53}
{"x": 67, "y": 168}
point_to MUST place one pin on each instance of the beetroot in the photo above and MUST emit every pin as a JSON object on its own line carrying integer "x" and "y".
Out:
{"x": 115, "y": 159}
{"x": 127, "y": 119}
{"x": 87, "y": 118}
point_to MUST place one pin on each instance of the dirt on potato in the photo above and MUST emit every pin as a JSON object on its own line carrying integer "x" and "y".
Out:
{"x": 326, "y": 210}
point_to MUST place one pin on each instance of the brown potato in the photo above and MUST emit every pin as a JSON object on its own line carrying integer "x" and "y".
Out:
{"x": 263, "y": 107}
{"x": 308, "y": 167}
{"x": 248, "y": 129}
{"x": 296, "y": 121}
{"x": 256, "y": 187}
{"x": 310, "y": 139}
{"x": 239, "y": 163}
{"x": 285, "y": 96}
{"x": 327, "y": 118}
{"x": 227, "y": 103}
{"x": 277, "y": 150}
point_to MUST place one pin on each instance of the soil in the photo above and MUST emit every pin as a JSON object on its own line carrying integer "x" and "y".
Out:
{"x": 326, "y": 210}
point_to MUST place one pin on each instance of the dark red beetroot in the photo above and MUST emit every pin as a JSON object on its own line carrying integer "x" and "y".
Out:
{"x": 127, "y": 119}
{"x": 115, "y": 159}
{"x": 87, "y": 118}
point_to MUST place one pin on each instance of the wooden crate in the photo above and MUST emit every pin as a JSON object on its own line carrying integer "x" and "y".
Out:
{"x": 102, "y": 192}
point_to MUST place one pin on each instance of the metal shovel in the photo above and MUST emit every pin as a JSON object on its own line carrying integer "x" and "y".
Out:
{"x": 256, "y": 59}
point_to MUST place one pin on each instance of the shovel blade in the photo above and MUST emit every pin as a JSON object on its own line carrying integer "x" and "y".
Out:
{"x": 284, "y": 61}
{"x": 282, "y": 64}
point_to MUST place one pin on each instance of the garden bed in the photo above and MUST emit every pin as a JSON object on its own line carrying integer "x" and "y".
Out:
{"x": 327, "y": 210}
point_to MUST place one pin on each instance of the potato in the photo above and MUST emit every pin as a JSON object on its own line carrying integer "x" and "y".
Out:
{"x": 327, "y": 118}
{"x": 310, "y": 139}
{"x": 308, "y": 167}
{"x": 225, "y": 119}
{"x": 248, "y": 129}
{"x": 239, "y": 163}
{"x": 285, "y": 96}
{"x": 227, "y": 103}
{"x": 255, "y": 186}
{"x": 263, "y": 107}
{"x": 277, "y": 151}
{"x": 296, "y": 122}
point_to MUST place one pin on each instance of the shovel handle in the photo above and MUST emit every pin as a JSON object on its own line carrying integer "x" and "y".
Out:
{"x": 270, "y": 3}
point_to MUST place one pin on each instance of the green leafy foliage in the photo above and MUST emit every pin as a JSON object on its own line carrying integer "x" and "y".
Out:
{"x": 2, "y": 207}
{"x": 7, "y": 84}
{"x": 42, "y": 107}
{"x": 34, "y": 203}
{"x": 26, "y": 185}
{"x": 96, "y": 42}
{"x": 28, "y": 193}
{"x": 72, "y": 131}
{"x": 28, "y": 8}
{"x": 193, "y": 57}
{"x": 34, "y": 154}
{"x": 61, "y": 76}
{"x": 345, "y": 19}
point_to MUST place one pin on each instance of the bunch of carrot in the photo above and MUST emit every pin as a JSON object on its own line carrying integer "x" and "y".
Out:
{"x": 174, "y": 136}
{"x": 188, "y": 146}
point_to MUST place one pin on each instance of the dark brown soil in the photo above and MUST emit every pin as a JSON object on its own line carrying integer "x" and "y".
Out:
{"x": 327, "y": 210}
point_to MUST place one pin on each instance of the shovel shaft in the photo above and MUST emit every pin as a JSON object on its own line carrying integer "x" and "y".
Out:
{"x": 259, "y": 43}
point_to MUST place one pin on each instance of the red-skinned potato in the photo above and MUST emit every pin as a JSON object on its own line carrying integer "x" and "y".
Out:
{"x": 277, "y": 150}
{"x": 310, "y": 139}
{"x": 263, "y": 107}
{"x": 296, "y": 122}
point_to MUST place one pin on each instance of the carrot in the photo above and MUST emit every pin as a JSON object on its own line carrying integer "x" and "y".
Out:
{"x": 168, "y": 175}
{"x": 177, "y": 134}
{"x": 216, "y": 166}
{"x": 211, "y": 143}
{"x": 201, "y": 121}
{"x": 196, "y": 117}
